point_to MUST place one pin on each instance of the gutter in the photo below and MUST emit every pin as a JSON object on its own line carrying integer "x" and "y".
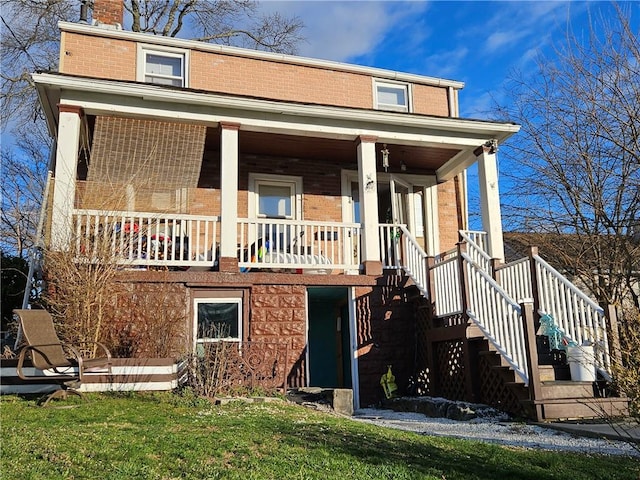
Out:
{"x": 150, "y": 92}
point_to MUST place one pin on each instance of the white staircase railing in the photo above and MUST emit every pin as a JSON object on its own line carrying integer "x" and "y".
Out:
{"x": 399, "y": 250}
{"x": 415, "y": 261}
{"x": 497, "y": 316}
{"x": 477, "y": 248}
{"x": 494, "y": 305}
{"x": 446, "y": 286}
{"x": 579, "y": 317}
{"x": 515, "y": 279}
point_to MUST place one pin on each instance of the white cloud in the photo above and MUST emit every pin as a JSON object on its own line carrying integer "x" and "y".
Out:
{"x": 446, "y": 64}
{"x": 342, "y": 31}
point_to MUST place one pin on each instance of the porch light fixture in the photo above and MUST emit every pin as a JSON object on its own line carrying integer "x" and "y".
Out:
{"x": 385, "y": 157}
{"x": 403, "y": 166}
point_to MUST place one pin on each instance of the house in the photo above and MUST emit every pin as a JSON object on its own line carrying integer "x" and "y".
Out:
{"x": 289, "y": 200}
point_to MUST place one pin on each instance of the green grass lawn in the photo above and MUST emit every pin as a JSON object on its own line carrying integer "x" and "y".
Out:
{"x": 165, "y": 436}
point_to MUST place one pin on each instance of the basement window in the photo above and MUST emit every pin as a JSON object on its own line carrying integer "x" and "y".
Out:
{"x": 162, "y": 66}
{"x": 218, "y": 319}
{"x": 391, "y": 96}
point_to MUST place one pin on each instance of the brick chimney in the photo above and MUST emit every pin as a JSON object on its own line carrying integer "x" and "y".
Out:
{"x": 108, "y": 12}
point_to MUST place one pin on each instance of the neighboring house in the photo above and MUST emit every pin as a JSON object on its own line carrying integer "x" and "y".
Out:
{"x": 293, "y": 200}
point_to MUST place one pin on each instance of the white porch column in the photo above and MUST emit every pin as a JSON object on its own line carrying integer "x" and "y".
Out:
{"x": 64, "y": 190}
{"x": 369, "y": 205}
{"x": 490, "y": 198}
{"x": 431, "y": 219}
{"x": 228, "y": 261}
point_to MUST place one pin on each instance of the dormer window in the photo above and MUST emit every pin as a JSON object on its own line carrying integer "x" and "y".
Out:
{"x": 162, "y": 66}
{"x": 391, "y": 96}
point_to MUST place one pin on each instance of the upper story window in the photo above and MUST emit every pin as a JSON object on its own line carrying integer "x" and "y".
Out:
{"x": 162, "y": 66}
{"x": 391, "y": 96}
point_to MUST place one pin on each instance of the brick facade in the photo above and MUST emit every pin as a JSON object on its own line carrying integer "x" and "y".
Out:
{"x": 278, "y": 314}
{"x": 385, "y": 336}
{"x": 108, "y": 12}
{"x": 449, "y": 215}
{"x": 116, "y": 59}
{"x": 274, "y": 314}
{"x": 98, "y": 57}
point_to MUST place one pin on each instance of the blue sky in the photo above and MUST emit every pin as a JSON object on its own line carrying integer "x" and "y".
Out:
{"x": 476, "y": 42}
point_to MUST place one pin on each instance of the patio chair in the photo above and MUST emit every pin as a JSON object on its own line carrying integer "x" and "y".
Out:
{"x": 57, "y": 362}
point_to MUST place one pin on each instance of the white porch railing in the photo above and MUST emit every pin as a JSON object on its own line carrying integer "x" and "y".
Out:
{"x": 145, "y": 239}
{"x": 311, "y": 246}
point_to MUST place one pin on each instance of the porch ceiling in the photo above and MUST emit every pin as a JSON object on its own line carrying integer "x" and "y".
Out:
{"x": 417, "y": 159}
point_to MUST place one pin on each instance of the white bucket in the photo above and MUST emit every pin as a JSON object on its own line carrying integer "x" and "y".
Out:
{"x": 582, "y": 363}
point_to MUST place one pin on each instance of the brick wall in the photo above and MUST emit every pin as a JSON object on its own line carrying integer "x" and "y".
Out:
{"x": 97, "y": 57}
{"x": 430, "y": 100}
{"x": 278, "y": 314}
{"x": 108, "y": 11}
{"x": 116, "y": 59}
{"x": 449, "y": 215}
{"x": 386, "y": 336}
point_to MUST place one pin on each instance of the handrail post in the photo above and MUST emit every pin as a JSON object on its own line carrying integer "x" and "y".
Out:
{"x": 535, "y": 292}
{"x": 531, "y": 351}
{"x": 464, "y": 280}
{"x": 495, "y": 269}
{"x": 430, "y": 263}
{"x": 614, "y": 334}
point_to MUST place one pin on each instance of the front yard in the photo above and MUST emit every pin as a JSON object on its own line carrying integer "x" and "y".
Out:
{"x": 167, "y": 436}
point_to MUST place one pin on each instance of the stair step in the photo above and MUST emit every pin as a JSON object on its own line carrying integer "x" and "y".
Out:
{"x": 519, "y": 389}
{"x": 473, "y": 331}
{"x": 550, "y": 373}
{"x": 581, "y": 408}
{"x": 506, "y": 373}
{"x": 566, "y": 389}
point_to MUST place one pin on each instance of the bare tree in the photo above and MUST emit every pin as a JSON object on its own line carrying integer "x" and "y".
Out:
{"x": 575, "y": 167}
{"x": 230, "y": 22}
{"x": 31, "y": 42}
{"x": 23, "y": 177}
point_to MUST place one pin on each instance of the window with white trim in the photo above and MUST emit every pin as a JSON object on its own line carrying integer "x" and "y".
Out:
{"x": 391, "y": 96}
{"x": 162, "y": 66}
{"x": 278, "y": 197}
{"x": 275, "y": 196}
{"x": 218, "y": 319}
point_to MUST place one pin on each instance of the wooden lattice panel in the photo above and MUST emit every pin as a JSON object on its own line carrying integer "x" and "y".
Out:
{"x": 450, "y": 369}
{"x": 494, "y": 389}
{"x": 422, "y": 378}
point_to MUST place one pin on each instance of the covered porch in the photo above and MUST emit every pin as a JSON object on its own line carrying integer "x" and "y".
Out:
{"x": 238, "y": 183}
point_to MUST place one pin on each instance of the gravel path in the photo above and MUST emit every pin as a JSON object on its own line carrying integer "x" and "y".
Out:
{"x": 494, "y": 431}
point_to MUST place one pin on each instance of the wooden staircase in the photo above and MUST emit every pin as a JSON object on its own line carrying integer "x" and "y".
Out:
{"x": 557, "y": 396}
